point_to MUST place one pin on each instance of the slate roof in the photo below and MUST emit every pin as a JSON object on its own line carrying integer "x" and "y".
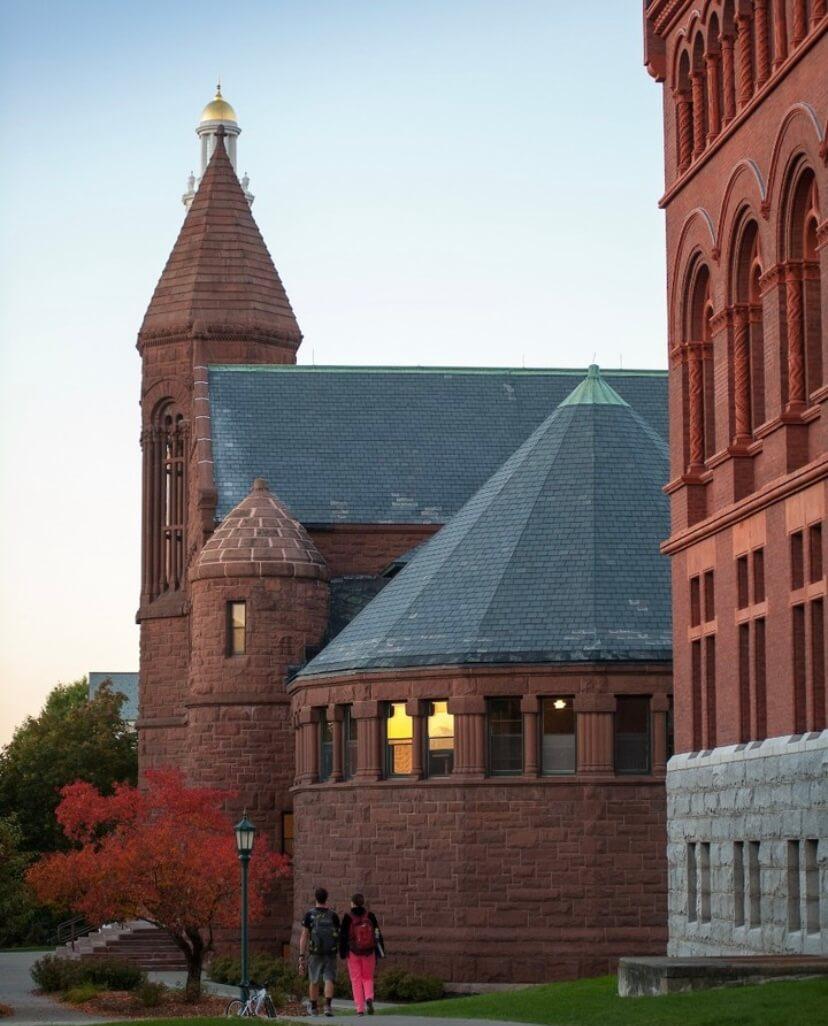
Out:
{"x": 386, "y": 444}
{"x": 220, "y": 276}
{"x": 555, "y": 559}
{"x": 122, "y": 683}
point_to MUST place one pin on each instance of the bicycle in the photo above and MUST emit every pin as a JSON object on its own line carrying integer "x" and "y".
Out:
{"x": 258, "y": 1004}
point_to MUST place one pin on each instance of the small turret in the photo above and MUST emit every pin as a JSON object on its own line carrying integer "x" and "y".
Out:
{"x": 217, "y": 114}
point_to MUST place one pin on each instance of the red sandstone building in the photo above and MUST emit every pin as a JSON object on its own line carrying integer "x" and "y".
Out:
{"x": 416, "y": 618}
{"x": 745, "y": 122}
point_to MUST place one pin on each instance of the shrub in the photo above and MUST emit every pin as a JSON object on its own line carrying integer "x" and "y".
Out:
{"x": 150, "y": 994}
{"x": 83, "y": 992}
{"x": 5, "y": 1010}
{"x": 282, "y": 976}
{"x": 52, "y": 973}
{"x": 399, "y": 985}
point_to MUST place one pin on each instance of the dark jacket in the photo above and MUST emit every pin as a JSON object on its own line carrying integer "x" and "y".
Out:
{"x": 345, "y": 931}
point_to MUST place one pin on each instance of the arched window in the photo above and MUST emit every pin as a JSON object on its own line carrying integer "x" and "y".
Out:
{"x": 165, "y": 501}
{"x": 698, "y": 359}
{"x": 748, "y": 377}
{"x": 802, "y": 289}
{"x": 698, "y": 85}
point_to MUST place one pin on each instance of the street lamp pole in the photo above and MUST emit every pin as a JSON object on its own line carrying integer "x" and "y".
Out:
{"x": 245, "y": 833}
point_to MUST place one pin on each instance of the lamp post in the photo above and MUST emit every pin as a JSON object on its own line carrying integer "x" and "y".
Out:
{"x": 245, "y": 832}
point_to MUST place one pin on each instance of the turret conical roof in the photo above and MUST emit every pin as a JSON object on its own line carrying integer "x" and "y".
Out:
{"x": 220, "y": 279}
{"x": 555, "y": 559}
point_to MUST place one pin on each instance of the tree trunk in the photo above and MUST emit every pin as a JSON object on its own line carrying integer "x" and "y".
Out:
{"x": 194, "y": 949}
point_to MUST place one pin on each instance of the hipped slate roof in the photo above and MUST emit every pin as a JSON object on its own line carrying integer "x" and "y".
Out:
{"x": 555, "y": 559}
{"x": 220, "y": 276}
{"x": 385, "y": 444}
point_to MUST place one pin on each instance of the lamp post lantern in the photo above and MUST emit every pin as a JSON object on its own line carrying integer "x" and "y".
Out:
{"x": 245, "y": 833}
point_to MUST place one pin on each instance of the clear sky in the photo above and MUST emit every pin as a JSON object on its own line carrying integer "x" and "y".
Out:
{"x": 464, "y": 182}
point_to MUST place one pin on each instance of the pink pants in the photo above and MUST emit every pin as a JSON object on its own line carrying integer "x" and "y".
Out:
{"x": 361, "y": 971}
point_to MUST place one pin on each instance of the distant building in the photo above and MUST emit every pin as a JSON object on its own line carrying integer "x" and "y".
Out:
{"x": 745, "y": 90}
{"x": 125, "y": 684}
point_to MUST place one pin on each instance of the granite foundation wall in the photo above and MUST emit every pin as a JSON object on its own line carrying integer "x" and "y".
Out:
{"x": 747, "y": 833}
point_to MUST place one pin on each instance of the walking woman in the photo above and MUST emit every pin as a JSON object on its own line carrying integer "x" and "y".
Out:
{"x": 360, "y": 942}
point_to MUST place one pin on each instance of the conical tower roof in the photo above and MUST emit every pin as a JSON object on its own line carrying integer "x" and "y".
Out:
{"x": 555, "y": 559}
{"x": 220, "y": 279}
{"x": 259, "y": 538}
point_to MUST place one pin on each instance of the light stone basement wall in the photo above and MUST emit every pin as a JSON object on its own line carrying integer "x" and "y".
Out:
{"x": 773, "y": 792}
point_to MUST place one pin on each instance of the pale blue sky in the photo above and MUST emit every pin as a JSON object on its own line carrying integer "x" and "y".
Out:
{"x": 439, "y": 181}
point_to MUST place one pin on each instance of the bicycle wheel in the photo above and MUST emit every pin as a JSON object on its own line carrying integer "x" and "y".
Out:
{"x": 236, "y": 1007}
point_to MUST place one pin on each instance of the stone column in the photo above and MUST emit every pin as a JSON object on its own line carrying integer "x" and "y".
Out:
{"x": 695, "y": 394}
{"x": 659, "y": 707}
{"x": 800, "y": 22}
{"x": 684, "y": 108}
{"x": 760, "y": 16}
{"x": 711, "y": 61}
{"x": 728, "y": 79}
{"x": 741, "y": 376}
{"x": 530, "y": 707}
{"x": 335, "y": 716}
{"x": 817, "y": 11}
{"x": 309, "y": 730}
{"x": 697, "y": 86}
{"x": 594, "y": 733}
{"x": 796, "y": 355}
{"x": 744, "y": 59}
{"x": 369, "y": 740}
{"x": 780, "y": 33}
{"x": 415, "y": 709}
{"x": 469, "y": 713}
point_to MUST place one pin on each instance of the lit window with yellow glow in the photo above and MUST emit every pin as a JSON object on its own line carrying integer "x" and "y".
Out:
{"x": 558, "y": 736}
{"x": 439, "y": 740}
{"x": 399, "y": 739}
{"x": 236, "y": 628}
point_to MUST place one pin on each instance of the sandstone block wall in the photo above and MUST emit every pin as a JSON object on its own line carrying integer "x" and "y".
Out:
{"x": 770, "y": 793}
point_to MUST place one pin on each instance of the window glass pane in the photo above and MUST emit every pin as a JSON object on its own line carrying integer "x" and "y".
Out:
{"x": 325, "y": 746}
{"x": 399, "y": 732}
{"x": 440, "y": 740}
{"x": 349, "y": 740}
{"x": 632, "y": 734}
{"x": 287, "y": 833}
{"x": 237, "y": 623}
{"x": 505, "y": 736}
{"x": 558, "y": 736}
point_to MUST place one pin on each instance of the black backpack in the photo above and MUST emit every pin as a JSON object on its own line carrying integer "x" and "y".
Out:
{"x": 324, "y": 936}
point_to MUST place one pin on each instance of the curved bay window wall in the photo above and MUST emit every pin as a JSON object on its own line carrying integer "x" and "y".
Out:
{"x": 164, "y": 444}
{"x": 726, "y": 58}
{"x": 544, "y": 737}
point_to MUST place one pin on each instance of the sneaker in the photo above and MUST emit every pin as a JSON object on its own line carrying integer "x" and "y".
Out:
{"x": 314, "y": 1008}
{"x": 328, "y": 1009}
{"x": 370, "y": 1004}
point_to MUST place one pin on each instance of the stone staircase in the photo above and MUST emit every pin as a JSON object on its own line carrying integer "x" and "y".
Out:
{"x": 137, "y": 941}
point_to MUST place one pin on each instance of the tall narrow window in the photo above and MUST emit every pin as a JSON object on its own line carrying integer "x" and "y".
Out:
{"x": 760, "y": 677}
{"x": 325, "y": 746}
{"x": 236, "y": 628}
{"x": 759, "y": 575}
{"x": 632, "y": 734}
{"x": 165, "y": 502}
{"x": 812, "y": 916}
{"x": 742, "y": 598}
{"x": 815, "y": 552}
{"x": 440, "y": 740}
{"x": 399, "y": 740}
{"x": 799, "y": 669}
{"x": 695, "y": 683}
{"x": 794, "y": 895}
{"x": 505, "y": 727}
{"x": 754, "y": 884}
{"x": 287, "y": 833}
{"x": 704, "y": 894}
{"x": 695, "y": 602}
{"x": 709, "y": 596}
{"x": 710, "y": 688}
{"x": 818, "y": 664}
{"x": 744, "y": 682}
{"x": 738, "y": 883}
{"x": 349, "y": 744}
{"x": 692, "y": 883}
{"x": 558, "y": 740}
{"x": 797, "y": 561}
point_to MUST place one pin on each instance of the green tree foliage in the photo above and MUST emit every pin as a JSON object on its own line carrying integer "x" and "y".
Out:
{"x": 72, "y": 739}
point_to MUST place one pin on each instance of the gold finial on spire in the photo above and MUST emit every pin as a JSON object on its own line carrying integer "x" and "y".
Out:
{"x": 218, "y": 109}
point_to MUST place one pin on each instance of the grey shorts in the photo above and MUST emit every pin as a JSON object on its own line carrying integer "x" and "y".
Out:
{"x": 321, "y": 967}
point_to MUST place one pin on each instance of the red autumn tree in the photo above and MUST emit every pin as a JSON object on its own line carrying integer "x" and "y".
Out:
{"x": 165, "y": 853}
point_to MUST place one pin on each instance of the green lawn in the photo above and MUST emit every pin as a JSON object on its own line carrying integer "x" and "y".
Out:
{"x": 596, "y": 1003}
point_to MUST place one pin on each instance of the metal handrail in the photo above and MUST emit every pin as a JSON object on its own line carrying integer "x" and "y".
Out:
{"x": 71, "y": 930}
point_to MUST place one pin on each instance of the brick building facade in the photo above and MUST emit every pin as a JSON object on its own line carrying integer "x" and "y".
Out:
{"x": 745, "y": 119}
{"x": 505, "y": 781}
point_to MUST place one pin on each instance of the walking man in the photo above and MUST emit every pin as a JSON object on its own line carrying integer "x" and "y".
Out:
{"x": 360, "y": 943}
{"x": 318, "y": 946}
